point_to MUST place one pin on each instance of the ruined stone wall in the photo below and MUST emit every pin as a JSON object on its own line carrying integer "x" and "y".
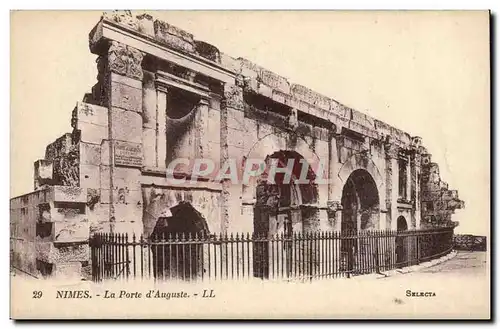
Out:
{"x": 160, "y": 95}
{"x": 438, "y": 201}
{"x": 247, "y": 111}
{"x": 49, "y": 231}
{"x": 23, "y": 216}
{"x": 159, "y": 199}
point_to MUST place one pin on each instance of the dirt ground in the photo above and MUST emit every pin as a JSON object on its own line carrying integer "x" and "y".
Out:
{"x": 465, "y": 263}
{"x": 459, "y": 288}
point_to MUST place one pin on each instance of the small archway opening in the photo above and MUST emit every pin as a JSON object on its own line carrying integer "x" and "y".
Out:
{"x": 402, "y": 225}
{"x": 177, "y": 261}
{"x": 401, "y": 242}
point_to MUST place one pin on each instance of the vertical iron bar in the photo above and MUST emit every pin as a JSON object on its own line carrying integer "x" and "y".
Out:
{"x": 119, "y": 256}
{"x": 150, "y": 251}
{"x": 141, "y": 251}
{"x": 226, "y": 254}
{"x": 248, "y": 255}
{"x": 190, "y": 256}
{"x": 295, "y": 259}
{"x": 215, "y": 256}
{"x": 232, "y": 256}
{"x": 170, "y": 248}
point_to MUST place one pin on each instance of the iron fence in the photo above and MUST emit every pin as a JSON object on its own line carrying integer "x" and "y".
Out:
{"x": 299, "y": 256}
{"x": 470, "y": 242}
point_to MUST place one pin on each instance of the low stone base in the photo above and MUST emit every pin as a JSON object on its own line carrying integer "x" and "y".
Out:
{"x": 67, "y": 271}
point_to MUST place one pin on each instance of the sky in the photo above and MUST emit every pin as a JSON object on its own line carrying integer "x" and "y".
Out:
{"x": 426, "y": 73}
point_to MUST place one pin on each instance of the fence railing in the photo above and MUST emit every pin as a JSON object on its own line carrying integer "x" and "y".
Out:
{"x": 470, "y": 242}
{"x": 297, "y": 256}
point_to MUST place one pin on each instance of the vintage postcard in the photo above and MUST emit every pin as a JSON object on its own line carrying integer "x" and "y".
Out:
{"x": 250, "y": 165}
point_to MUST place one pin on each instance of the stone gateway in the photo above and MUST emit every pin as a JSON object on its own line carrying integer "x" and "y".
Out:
{"x": 162, "y": 95}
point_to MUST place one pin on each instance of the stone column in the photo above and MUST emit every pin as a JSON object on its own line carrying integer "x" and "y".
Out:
{"x": 248, "y": 203}
{"x": 325, "y": 223}
{"x": 415, "y": 177}
{"x": 391, "y": 167}
{"x": 334, "y": 205}
{"x": 333, "y": 167}
{"x": 161, "y": 127}
{"x": 201, "y": 129}
{"x": 230, "y": 197}
{"x": 311, "y": 226}
{"x": 125, "y": 126}
{"x": 408, "y": 177}
{"x": 149, "y": 119}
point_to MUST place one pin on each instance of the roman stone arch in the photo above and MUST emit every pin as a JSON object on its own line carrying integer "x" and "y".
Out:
{"x": 271, "y": 142}
{"x": 171, "y": 214}
{"x": 360, "y": 212}
{"x": 360, "y": 202}
{"x": 285, "y": 207}
{"x": 268, "y": 144}
{"x": 361, "y": 161}
{"x": 164, "y": 206}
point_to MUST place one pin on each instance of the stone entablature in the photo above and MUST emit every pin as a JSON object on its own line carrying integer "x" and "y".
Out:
{"x": 256, "y": 79}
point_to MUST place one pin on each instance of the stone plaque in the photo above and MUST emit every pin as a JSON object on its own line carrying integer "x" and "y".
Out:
{"x": 128, "y": 154}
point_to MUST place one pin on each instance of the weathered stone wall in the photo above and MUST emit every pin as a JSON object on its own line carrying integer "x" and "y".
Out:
{"x": 438, "y": 201}
{"x": 253, "y": 112}
{"x": 23, "y": 216}
{"x": 161, "y": 95}
{"x": 49, "y": 227}
{"x": 157, "y": 201}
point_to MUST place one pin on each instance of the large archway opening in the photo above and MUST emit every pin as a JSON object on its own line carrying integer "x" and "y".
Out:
{"x": 278, "y": 202}
{"x": 284, "y": 206}
{"x": 360, "y": 212}
{"x": 360, "y": 202}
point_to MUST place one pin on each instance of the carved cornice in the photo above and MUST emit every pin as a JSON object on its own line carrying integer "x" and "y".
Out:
{"x": 164, "y": 81}
{"x": 125, "y": 60}
{"x": 233, "y": 97}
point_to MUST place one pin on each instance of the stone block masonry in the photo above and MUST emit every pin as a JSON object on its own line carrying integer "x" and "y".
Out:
{"x": 49, "y": 227}
{"x": 162, "y": 95}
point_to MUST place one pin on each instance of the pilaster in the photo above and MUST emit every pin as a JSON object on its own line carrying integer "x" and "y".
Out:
{"x": 334, "y": 165}
{"x": 201, "y": 129}
{"x": 230, "y": 196}
{"x": 391, "y": 167}
{"x": 120, "y": 183}
{"x": 161, "y": 127}
{"x": 416, "y": 169}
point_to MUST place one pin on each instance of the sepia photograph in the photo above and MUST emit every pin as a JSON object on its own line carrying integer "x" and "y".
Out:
{"x": 250, "y": 165}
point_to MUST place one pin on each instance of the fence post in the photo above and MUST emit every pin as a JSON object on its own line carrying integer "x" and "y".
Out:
{"x": 300, "y": 255}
